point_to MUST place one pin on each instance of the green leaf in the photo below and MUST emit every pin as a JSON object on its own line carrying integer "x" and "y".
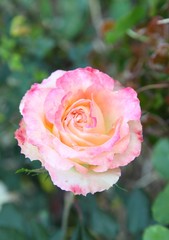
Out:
{"x": 153, "y": 4}
{"x": 40, "y": 46}
{"x": 125, "y": 23}
{"x": 57, "y": 235}
{"x": 119, "y": 8}
{"x": 46, "y": 9}
{"x": 160, "y": 157}
{"x": 81, "y": 233}
{"x": 156, "y": 232}
{"x": 72, "y": 17}
{"x": 39, "y": 232}
{"x": 103, "y": 224}
{"x": 138, "y": 211}
{"x": 99, "y": 222}
{"x": 161, "y": 207}
{"x": 13, "y": 234}
{"x": 31, "y": 171}
{"x": 10, "y": 217}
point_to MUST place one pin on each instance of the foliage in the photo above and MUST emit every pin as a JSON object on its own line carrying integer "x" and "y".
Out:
{"x": 128, "y": 40}
{"x": 156, "y": 232}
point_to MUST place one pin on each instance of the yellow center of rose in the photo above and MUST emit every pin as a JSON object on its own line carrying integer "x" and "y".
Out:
{"x": 79, "y": 117}
{"x": 82, "y": 124}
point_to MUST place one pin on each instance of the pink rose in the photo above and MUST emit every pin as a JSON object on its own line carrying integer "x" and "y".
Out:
{"x": 82, "y": 126}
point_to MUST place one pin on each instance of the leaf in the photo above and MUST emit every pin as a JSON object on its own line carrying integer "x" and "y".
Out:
{"x": 153, "y": 4}
{"x": 81, "y": 233}
{"x": 40, "y": 46}
{"x": 160, "y": 157}
{"x": 57, "y": 235}
{"x": 39, "y": 232}
{"x": 8, "y": 233}
{"x": 46, "y": 9}
{"x": 10, "y": 217}
{"x": 103, "y": 224}
{"x": 125, "y": 23}
{"x": 99, "y": 222}
{"x": 161, "y": 207}
{"x": 138, "y": 211}
{"x": 31, "y": 171}
{"x": 156, "y": 232}
{"x": 19, "y": 26}
{"x": 72, "y": 19}
{"x": 119, "y": 8}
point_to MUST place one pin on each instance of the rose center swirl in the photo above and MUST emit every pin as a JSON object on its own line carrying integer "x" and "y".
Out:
{"x": 80, "y": 117}
{"x": 83, "y": 124}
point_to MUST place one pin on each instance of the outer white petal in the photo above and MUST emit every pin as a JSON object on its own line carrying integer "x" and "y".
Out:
{"x": 50, "y": 82}
{"x": 89, "y": 182}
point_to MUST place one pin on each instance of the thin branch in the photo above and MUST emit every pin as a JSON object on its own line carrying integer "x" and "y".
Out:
{"x": 153, "y": 86}
{"x": 69, "y": 197}
{"x": 96, "y": 16}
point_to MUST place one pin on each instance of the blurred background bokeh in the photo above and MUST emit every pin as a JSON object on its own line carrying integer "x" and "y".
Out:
{"x": 129, "y": 40}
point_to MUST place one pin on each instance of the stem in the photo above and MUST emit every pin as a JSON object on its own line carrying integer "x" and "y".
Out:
{"x": 95, "y": 12}
{"x": 153, "y": 86}
{"x": 68, "y": 201}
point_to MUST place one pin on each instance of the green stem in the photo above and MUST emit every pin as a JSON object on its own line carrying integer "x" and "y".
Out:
{"x": 68, "y": 201}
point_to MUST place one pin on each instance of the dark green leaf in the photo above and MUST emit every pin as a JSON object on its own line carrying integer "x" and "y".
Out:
{"x": 161, "y": 207}
{"x": 39, "y": 47}
{"x": 99, "y": 222}
{"x": 73, "y": 17}
{"x": 81, "y": 233}
{"x": 10, "y": 217}
{"x": 103, "y": 224}
{"x": 11, "y": 234}
{"x": 160, "y": 157}
{"x": 138, "y": 211}
{"x": 39, "y": 232}
{"x": 57, "y": 235}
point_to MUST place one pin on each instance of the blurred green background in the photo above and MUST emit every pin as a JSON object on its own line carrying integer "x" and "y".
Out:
{"x": 129, "y": 40}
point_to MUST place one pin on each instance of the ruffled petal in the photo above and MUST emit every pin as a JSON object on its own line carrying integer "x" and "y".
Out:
{"x": 115, "y": 104}
{"x": 82, "y": 78}
{"x": 29, "y": 150}
{"x": 134, "y": 147}
{"x": 84, "y": 183}
{"x": 50, "y": 82}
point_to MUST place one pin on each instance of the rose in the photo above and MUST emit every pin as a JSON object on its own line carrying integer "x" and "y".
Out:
{"x": 82, "y": 125}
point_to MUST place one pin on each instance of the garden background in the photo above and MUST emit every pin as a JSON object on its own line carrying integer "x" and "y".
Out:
{"x": 127, "y": 39}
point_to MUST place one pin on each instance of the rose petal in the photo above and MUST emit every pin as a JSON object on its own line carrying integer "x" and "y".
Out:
{"x": 122, "y": 103}
{"x": 79, "y": 183}
{"x": 88, "y": 154}
{"x": 134, "y": 147}
{"x": 27, "y": 148}
{"x": 52, "y": 158}
{"x": 82, "y": 78}
{"x": 52, "y": 103}
{"x": 89, "y": 139}
{"x": 50, "y": 82}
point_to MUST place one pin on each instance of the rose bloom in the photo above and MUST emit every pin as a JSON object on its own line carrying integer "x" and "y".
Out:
{"x": 82, "y": 125}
